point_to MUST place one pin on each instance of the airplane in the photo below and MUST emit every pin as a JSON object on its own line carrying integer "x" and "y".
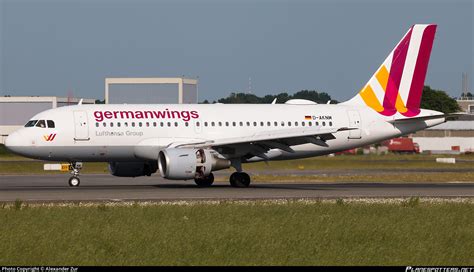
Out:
{"x": 191, "y": 141}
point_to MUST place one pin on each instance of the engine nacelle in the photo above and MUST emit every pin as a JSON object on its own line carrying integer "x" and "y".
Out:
{"x": 187, "y": 163}
{"x": 132, "y": 169}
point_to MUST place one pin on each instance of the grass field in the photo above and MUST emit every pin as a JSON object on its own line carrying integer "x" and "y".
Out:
{"x": 233, "y": 233}
{"x": 380, "y": 177}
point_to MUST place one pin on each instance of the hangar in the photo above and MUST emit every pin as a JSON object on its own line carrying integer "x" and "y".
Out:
{"x": 151, "y": 90}
{"x": 15, "y": 111}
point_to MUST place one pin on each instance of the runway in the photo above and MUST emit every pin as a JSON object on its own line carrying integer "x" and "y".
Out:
{"x": 52, "y": 188}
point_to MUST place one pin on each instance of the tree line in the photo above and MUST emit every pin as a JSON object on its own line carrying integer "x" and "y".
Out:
{"x": 248, "y": 98}
{"x": 431, "y": 99}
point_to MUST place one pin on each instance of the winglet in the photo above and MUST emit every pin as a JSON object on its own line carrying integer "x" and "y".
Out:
{"x": 274, "y": 101}
{"x": 80, "y": 102}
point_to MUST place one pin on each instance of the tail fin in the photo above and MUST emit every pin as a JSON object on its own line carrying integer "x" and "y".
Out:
{"x": 398, "y": 84}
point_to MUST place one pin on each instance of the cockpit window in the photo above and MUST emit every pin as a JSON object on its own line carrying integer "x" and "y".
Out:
{"x": 31, "y": 123}
{"x": 41, "y": 124}
{"x": 50, "y": 123}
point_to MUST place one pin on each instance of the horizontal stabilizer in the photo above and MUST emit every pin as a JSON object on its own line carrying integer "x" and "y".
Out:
{"x": 428, "y": 117}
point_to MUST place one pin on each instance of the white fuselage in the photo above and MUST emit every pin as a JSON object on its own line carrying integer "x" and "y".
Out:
{"x": 137, "y": 132}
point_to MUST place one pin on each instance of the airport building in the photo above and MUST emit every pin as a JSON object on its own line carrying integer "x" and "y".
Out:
{"x": 151, "y": 90}
{"x": 15, "y": 111}
{"x": 467, "y": 105}
{"x": 450, "y": 137}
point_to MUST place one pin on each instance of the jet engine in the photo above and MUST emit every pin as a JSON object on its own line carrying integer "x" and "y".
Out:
{"x": 132, "y": 169}
{"x": 187, "y": 163}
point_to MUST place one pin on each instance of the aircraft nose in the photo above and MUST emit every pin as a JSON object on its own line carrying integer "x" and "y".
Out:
{"x": 14, "y": 142}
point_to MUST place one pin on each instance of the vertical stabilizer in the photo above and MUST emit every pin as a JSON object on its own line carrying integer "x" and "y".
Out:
{"x": 397, "y": 85}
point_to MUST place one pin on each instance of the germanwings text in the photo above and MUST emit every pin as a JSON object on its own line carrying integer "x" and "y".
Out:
{"x": 170, "y": 114}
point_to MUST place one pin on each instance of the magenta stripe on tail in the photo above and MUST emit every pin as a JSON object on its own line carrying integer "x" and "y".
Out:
{"x": 419, "y": 75}
{"x": 396, "y": 71}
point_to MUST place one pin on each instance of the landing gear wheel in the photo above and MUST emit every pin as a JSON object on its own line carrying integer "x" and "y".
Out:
{"x": 239, "y": 179}
{"x": 205, "y": 182}
{"x": 74, "y": 181}
{"x": 75, "y": 168}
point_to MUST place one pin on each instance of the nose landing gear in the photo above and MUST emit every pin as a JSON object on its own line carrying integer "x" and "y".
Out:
{"x": 75, "y": 167}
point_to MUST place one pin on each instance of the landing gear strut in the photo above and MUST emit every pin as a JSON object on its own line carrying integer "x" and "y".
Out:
{"x": 75, "y": 167}
{"x": 239, "y": 179}
{"x": 205, "y": 181}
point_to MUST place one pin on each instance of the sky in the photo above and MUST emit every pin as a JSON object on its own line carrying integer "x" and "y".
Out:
{"x": 54, "y": 48}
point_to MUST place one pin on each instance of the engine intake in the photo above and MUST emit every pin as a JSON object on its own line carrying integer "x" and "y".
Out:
{"x": 186, "y": 163}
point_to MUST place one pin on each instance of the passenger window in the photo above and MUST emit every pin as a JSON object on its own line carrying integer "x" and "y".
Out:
{"x": 175, "y": 124}
{"x": 302, "y": 123}
{"x": 324, "y": 124}
{"x": 169, "y": 124}
{"x": 126, "y": 124}
{"x": 41, "y": 124}
{"x": 275, "y": 123}
{"x": 254, "y": 124}
{"x": 289, "y": 123}
{"x": 31, "y": 123}
{"x": 233, "y": 124}
{"x": 154, "y": 124}
{"x": 226, "y": 124}
{"x": 269, "y": 123}
{"x": 50, "y": 123}
{"x": 118, "y": 124}
{"x": 205, "y": 124}
{"x": 213, "y": 124}
{"x": 161, "y": 124}
{"x": 186, "y": 123}
{"x": 296, "y": 124}
{"x": 220, "y": 124}
{"x": 96, "y": 124}
{"x": 140, "y": 124}
{"x": 241, "y": 123}
{"x": 147, "y": 124}
{"x": 111, "y": 124}
{"x": 197, "y": 123}
{"x": 309, "y": 123}
{"x": 248, "y": 124}
{"x": 104, "y": 124}
{"x": 317, "y": 123}
{"x": 133, "y": 124}
{"x": 262, "y": 124}
{"x": 330, "y": 124}
{"x": 282, "y": 123}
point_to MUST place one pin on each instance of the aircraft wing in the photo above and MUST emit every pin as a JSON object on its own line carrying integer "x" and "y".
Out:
{"x": 255, "y": 145}
{"x": 261, "y": 142}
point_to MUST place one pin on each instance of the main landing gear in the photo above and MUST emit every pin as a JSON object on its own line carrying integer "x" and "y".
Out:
{"x": 205, "y": 181}
{"x": 239, "y": 180}
{"x": 75, "y": 167}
